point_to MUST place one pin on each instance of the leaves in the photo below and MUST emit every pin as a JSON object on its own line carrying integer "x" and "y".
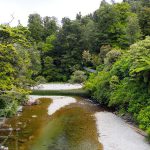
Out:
{"x": 15, "y": 67}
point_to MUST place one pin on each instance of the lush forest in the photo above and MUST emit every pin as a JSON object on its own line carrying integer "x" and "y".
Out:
{"x": 114, "y": 40}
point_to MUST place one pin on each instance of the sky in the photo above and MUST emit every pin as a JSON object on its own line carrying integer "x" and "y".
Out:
{"x": 21, "y": 9}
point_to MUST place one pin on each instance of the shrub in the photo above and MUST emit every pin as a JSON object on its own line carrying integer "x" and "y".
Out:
{"x": 78, "y": 77}
{"x": 90, "y": 84}
{"x": 40, "y": 79}
{"x": 121, "y": 67}
{"x": 99, "y": 86}
{"x": 111, "y": 58}
{"x": 144, "y": 119}
{"x": 126, "y": 87}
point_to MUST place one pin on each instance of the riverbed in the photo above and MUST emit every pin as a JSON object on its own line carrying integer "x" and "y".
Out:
{"x": 69, "y": 123}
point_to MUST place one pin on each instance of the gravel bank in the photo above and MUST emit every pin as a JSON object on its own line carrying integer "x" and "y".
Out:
{"x": 115, "y": 134}
{"x": 57, "y": 86}
{"x": 57, "y": 102}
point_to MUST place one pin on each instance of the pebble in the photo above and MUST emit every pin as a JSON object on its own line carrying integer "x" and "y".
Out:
{"x": 34, "y": 116}
{"x": 3, "y": 148}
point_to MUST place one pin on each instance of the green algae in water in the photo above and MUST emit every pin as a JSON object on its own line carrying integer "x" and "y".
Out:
{"x": 70, "y": 128}
{"x": 28, "y": 127}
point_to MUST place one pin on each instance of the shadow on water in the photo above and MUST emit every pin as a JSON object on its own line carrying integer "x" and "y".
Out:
{"x": 70, "y": 128}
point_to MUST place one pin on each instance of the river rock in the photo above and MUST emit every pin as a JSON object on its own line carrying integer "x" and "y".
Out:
{"x": 37, "y": 102}
{"x": 20, "y": 109}
{"x": 22, "y": 140}
{"x": 34, "y": 116}
{"x": 30, "y": 103}
{"x": 18, "y": 129}
{"x": 19, "y": 123}
{"x": 10, "y": 129}
{"x": 31, "y": 137}
{"x": 6, "y": 126}
{"x": 3, "y": 148}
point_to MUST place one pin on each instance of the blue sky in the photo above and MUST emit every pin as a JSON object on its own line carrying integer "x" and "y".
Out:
{"x": 21, "y": 9}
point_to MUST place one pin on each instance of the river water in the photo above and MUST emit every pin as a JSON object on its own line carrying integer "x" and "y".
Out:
{"x": 70, "y": 127}
{"x": 69, "y": 123}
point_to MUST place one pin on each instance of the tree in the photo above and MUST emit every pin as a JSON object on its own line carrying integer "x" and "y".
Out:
{"x": 112, "y": 23}
{"x": 89, "y": 35}
{"x": 16, "y": 67}
{"x": 78, "y": 77}
{"x": 68, "y": 47}
{"x": 48, "y": 68}
{"x": 141, "y": 60}
{"x": 133, "y": 30}
{"x": 36, "y": 28}
{"x": 79, "y": 16}
{"x": 46, "y": 59}
{"x": 50, "y": 26}
{"x": 144, "y": 20}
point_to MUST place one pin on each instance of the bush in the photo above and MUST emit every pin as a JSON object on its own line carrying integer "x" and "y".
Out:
{"x": 130, "y": 95}
{"x": 144, "y": 119}
{"x": 111, "y": 58}
{"x": 121, "y": 67}
{"x": 102, "y": 92}
{"x": 40, "y": 80}
{"x": 78, "y": 77}
{"x": 90, "y": 84}
{"x": 99, "y": 86}
{"x": 126, "y": 87}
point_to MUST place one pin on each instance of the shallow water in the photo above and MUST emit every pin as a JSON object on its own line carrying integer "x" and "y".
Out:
{"x": 72, "y": 127}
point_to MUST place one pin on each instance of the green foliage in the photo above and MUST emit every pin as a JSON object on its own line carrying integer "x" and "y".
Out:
{"x": 9, "y": 101}
{"x": 48, "y": 45}
{"x": 50, "y": 26}
{"x": 16, "y": 67}
{"x": 103, "y": 51}
{"x": 78, "y": 77}
{"x": 140, "y": 67}
{"x": 86, "y": 56}
{"x": 114, "y": 81}
{"x": 111, "y": 27}
{"x": 144, "y": 20}
{"x": 40, "y": 80}
{"x": 102, "y": 92}
{"x": 127, "y": 96}
{"x": 144, "y": 119}
{"x": 122, "y": 66}
{"x": 99, "y": 86}
{"x": 36, "y": 27}
{"x": 133, "y": 30}
{"x": 48, "y": 68}
{"x": 125, "y": 86}
{"x": 113, "y": 22}
{"x": 90, "y": 84}
{"x": 111, "y": 58}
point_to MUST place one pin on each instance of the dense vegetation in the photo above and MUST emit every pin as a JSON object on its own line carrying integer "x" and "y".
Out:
{"x": 114, "y": 40}
{"x": 122, "y": 80}
{"x": 125, "y": 86}
{"x": 17, "y": 55}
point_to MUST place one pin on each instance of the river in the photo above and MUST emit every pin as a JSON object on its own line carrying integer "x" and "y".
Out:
{"x": 69, "y": 123}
